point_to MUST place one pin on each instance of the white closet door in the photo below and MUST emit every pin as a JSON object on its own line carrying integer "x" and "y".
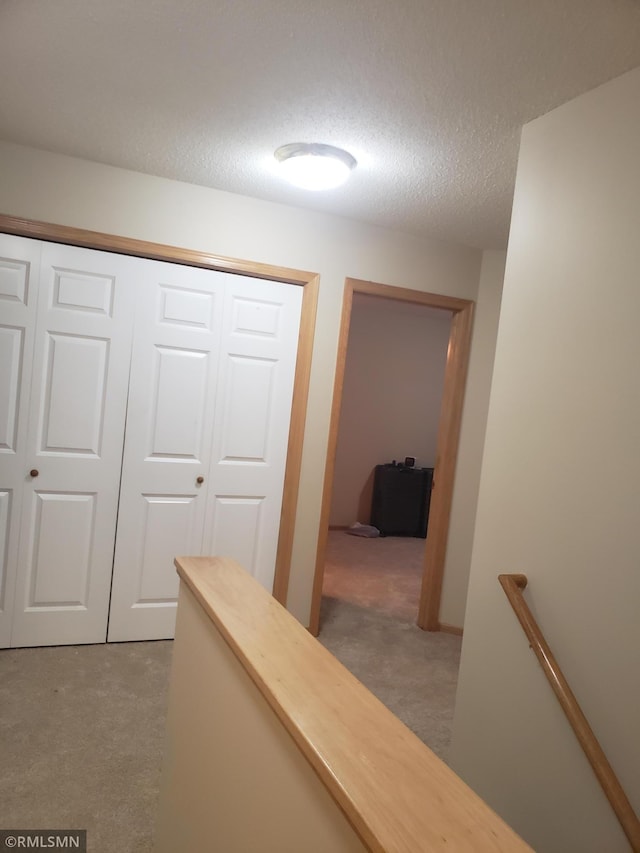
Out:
{"x": 168, "y": 445}
{"x": 251, "y": 433}
{"x": 74, "y": 446}
{"x": 19, "y": 272}
{"x": 214, "y": 359}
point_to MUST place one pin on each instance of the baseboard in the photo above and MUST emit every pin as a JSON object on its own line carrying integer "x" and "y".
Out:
{"x": 450, "y": 629}
{"x": 338, "y": 527}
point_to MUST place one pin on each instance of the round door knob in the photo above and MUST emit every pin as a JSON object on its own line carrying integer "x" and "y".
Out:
{"x": 34, "y": 472}
{"x": 199, "y": 480}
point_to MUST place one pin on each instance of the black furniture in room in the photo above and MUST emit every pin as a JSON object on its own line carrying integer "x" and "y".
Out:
{"x": 401, "y": 498}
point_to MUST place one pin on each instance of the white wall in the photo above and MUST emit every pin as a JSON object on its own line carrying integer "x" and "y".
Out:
{"x": 67, "y": 191}
{"x": 474, "y": 419}
{"x": 560, "y": 487}
{"x": 393, "y": 380}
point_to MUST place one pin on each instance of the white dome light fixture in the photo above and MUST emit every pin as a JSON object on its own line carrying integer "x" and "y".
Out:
{"x": 314, "y": 166}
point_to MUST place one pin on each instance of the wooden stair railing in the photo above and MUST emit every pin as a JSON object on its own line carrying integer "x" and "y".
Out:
{"x": 273, "y": 745}
{"x": 513, "y": 586}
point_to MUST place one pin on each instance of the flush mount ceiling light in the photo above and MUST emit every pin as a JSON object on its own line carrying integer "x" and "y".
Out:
{"x": 314, "y": 166}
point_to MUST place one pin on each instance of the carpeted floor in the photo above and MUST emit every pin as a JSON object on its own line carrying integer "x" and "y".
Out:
{"x": 81, "y": 734}
{"x": 384, "y": 573}
{"x": 413, "y": 672}
{"x": 369, "y": 607}
{"x": 82, "y": 727}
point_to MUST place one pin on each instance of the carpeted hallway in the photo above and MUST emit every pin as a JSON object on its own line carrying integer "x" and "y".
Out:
{"x": 82, "y": 727}
{"x": 369, "y": 608}
{"x": 81, "y": 733}
{"x": 382, "y": 574}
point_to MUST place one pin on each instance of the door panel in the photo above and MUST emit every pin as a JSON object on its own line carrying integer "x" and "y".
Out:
{"x": 73, "y": 410}
{"x": 168, "y": 445}
{"x": 15, "y": 271}
{"x": 213, "y": 357}
{"x": 251, "y": 432}
{"x": 181, "y": 379}
{"x": 11, "y": 364}
{"x": 5, "y": 532}
{"x": 237, "y": 528}
{"x": 247, "y": 407}
{"x": 59, "y": 566}
{"x": 83, "y": 291}
{"x": 166, "y": 519}
{"x": 19, "y": 273}
{"x": 74, "y": 443}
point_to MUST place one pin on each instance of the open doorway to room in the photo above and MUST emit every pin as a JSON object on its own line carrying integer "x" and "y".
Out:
{"x": 399, "y": 387}
{"x": 359, "y": 297}
{"x": 390, "y": 409}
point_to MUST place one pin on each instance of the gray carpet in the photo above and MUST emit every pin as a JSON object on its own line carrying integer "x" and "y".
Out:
{"x": 82, "y": 727}
{"x": 81, "y": 734}
{"x": 413, "y": 672}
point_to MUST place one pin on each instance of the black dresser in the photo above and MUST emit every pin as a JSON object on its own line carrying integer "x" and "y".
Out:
{"x": 401, "y": 498}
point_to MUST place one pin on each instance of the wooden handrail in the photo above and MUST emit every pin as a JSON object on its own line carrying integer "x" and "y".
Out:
{"x": 513, "y": 586}
{"x": 396, "y": 795}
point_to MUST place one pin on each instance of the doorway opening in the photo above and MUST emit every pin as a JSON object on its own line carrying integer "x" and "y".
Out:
{"x": 460, "y": 313}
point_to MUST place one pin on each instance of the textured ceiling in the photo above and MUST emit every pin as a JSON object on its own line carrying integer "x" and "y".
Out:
{"x": 428, "y": 95}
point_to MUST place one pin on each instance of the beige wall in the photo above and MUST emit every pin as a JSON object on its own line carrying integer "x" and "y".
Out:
{"x": 474, "y": 419}
{"x": 560, "y": 487}
{"x": 233, "y": 778}
{"x": 67, "y": 191}
{"x": 394, "y": 374}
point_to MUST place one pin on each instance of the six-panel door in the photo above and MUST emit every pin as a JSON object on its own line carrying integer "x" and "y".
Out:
{"x": 19, "y": 275}
{"x": 259, "y": 345}
{"x": 167, "y": 453}
{"x": 213, "y": 367}
{"x": 74, "y": 442}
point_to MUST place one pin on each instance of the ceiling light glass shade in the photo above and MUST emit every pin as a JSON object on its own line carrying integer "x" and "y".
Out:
{"x": 314, "y": 166}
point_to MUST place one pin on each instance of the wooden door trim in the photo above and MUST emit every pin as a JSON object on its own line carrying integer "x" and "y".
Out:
{"x": 455, "y": 377}
{"x": 190, "y": 257}
{"x": 296, "y": 438}
{"x": 447, "y": 444}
